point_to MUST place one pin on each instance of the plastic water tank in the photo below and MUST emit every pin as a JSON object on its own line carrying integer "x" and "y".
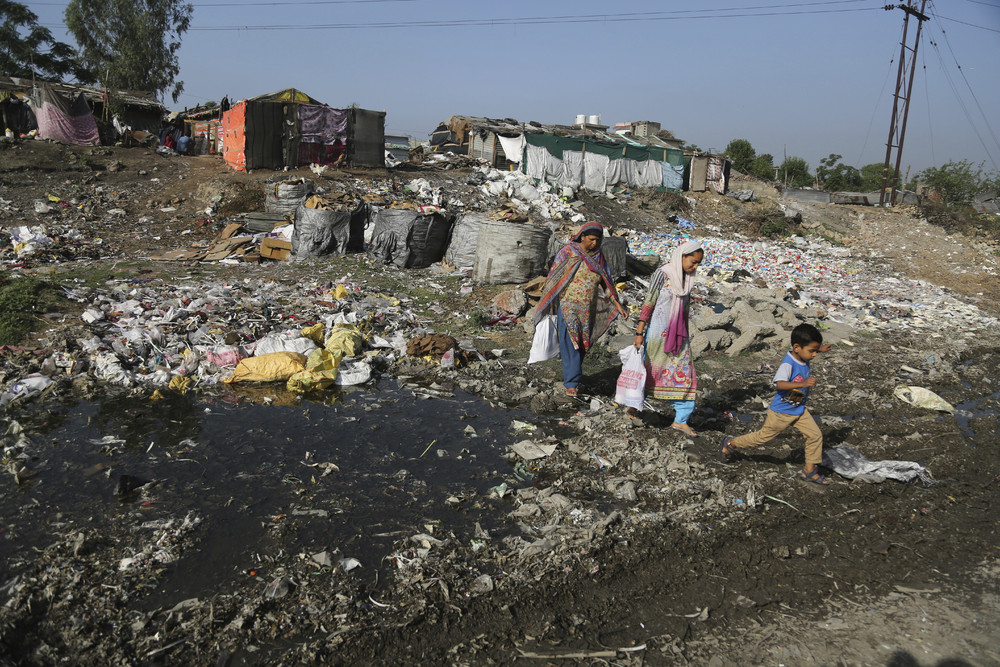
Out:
{"x": 581, "y": 118}
{"x": 594, "y": 119}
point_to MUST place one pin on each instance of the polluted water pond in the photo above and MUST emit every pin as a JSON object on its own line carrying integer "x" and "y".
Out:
{"x": 350, "y": 476}
{"x": 976, "y": 409}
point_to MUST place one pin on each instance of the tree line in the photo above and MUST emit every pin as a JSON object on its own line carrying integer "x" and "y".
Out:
{"x": 958, "y": 182}
{"x": 123, "y": 44}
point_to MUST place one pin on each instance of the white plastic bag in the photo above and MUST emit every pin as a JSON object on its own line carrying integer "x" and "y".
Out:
{"x": 631, "y": 389}
{"x": 545, "y": 344}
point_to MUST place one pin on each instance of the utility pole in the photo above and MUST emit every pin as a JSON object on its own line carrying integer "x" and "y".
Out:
{"x": 904, "y": 86}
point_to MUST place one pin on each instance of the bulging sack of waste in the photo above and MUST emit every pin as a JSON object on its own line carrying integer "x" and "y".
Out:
{"x": 285, "y": 197}
{"x": 923, "y": 398}
{"x": 510, "y": 253}
{"x": 273, "y": 367}
{"x": 286, "y": 341}
{"x": 346, "y": 339}
{"x": 320, "y": 372}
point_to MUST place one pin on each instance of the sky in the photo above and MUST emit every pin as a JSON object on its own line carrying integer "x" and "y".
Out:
{"x": 803, "y": 79}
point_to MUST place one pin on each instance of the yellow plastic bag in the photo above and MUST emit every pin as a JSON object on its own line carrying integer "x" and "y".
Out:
{"x": 346, "y": 339}
{"x": 320, "y": 372}
{"x": 340, "y": 292}
{"x": 180, "y": 384}
{"x": 315, "y": 333}
{"x": 269, "y": 367}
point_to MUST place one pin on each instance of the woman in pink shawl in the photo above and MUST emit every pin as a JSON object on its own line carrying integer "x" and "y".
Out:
{"x": 663, "y": 326}
{"x": 580, "y": 292}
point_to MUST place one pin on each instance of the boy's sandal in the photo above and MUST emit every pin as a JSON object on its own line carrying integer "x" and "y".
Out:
{"x": 728, "y": 451}
{"x": 571, "y": 391}
{"x": 813, "y": 478}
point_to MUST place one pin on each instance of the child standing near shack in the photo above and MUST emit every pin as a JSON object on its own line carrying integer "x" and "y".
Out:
{"x": 788, "y": 408}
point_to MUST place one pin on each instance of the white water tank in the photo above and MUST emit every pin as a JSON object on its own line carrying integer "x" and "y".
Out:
{"x": 581, "y": 118}
{"x": 594, "y": 119}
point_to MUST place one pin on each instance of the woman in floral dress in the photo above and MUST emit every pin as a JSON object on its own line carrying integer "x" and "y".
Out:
{"x": 663, "y": 327}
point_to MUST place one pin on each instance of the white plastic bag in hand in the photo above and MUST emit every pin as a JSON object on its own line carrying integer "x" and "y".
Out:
{"x": 631, "y": 389}
{"x": 545, "y": 344}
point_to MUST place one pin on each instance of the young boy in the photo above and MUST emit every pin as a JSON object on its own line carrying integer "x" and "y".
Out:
{"x": 788, "y": 408}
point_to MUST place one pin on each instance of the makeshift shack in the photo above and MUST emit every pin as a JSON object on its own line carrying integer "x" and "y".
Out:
{"x": 289, "y": 129}
{"x": 62, "y": 119}
{"x": 570, "y": 156}
{"x": 709, "y": 171}
{"x": 135, "y": 111}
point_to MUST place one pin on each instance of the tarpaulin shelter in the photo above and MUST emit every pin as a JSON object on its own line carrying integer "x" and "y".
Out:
{"x": 571, "y": 156}
{"x": 289, "y": 128}
{"x": 69, "y": 121}
{"x": 576, "y": 162}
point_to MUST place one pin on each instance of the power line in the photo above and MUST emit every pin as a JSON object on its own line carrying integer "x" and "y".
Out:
{"x": 871, "y": 122}
{"x": 971, "y": 25}
{"x": 541, "y": 20}
{"x": 971, "y": 92}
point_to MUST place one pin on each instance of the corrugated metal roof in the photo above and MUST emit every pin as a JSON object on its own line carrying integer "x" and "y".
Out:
{"x": 133, "y": 98}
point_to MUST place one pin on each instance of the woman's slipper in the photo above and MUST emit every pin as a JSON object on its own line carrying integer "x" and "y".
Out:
{"x": 813, "y": 478}
{"x": 728, "y": 451}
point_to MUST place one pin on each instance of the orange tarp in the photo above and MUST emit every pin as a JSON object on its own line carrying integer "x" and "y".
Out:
{"x": 234, "y": 129}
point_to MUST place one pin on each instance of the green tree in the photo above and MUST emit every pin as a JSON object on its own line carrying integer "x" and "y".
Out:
{"x": 833, "y": 175}
{"x": 27, "y": 49}
{"x": 826, "y": 166}
{"x": 763, "y": 167}
{"x": 958, "y": 182}
{"x": 131, "y": 44}
{"x": 794, "y": 172}
{"x": 871, "y": 177}
{"x": 742, "y": 153}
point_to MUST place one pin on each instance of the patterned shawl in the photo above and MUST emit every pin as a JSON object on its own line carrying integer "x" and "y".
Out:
{"x": 680, "y": 285}
{"x": 567, "y": 261}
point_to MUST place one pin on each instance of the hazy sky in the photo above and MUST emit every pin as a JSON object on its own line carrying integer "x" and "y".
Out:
{"x": 800, "y": 79}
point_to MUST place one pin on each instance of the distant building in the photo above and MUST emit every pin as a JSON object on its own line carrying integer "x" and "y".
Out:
{"x": 645, "y": 128}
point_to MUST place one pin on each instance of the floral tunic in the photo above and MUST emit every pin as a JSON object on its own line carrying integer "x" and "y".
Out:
{"x": 668, "y": 376}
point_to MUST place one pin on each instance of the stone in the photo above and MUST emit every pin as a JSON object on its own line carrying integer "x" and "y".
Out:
{"x": 513, "y": 302}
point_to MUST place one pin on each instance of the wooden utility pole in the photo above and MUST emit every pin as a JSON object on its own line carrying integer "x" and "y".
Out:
{"x": 904, "y": 86}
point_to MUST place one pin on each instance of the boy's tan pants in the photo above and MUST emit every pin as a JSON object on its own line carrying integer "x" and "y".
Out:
{"x": 776, "y": 423}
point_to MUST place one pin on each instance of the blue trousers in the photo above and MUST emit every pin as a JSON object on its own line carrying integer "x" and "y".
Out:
{"x": 682, "y": 410}
{"x": 572, "y": 358}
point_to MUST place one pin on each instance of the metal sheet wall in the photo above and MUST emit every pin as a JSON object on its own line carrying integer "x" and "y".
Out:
{"x": 366, "y": 137}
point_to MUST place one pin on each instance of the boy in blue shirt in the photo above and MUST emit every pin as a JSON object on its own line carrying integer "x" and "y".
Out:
{"x": 788, "y": 408}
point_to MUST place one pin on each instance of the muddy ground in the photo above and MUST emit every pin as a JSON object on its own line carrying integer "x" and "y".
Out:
{"x": 702, "y": 563}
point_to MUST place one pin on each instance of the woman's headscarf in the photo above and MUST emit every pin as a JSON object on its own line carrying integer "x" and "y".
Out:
{"x": 588, "y": 228}
{"x": 567, "y": 261}
{"x": 680, "y": 286}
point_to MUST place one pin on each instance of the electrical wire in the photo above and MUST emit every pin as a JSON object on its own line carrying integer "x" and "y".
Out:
{"x": 885, "y": 83}
{"x": 539, "y": 20}
{"x": 927, "y": 94}
{"x": 971, "y": 92}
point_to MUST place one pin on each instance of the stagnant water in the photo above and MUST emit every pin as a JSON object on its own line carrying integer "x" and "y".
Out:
{"x": 245, "y": 468}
